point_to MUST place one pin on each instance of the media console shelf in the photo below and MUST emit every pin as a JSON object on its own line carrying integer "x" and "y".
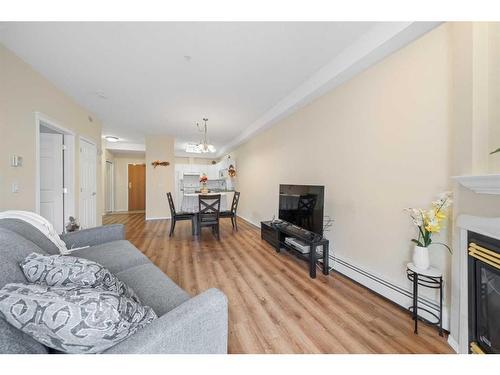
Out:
{"x": 276, "y": 232}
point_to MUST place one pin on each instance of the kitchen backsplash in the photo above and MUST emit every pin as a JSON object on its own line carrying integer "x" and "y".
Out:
{"x": 216, "y": 184}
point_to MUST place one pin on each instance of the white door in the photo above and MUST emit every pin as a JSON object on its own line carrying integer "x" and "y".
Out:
{"x": 51, "y": 179}
{"x": 88, "y": 184}
{"x": 109, "y": 186}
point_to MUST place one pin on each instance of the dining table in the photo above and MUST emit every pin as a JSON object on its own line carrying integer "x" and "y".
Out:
{"x": 190, "y": 205}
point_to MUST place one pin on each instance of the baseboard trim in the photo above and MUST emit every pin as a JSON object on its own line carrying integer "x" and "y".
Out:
{"x": 257, "y": 225}
{"x": 158, "y": 218}
{"x": 395, "y": 293}
{"x": 453, "y": 343}
{"x": 121, "y": 212}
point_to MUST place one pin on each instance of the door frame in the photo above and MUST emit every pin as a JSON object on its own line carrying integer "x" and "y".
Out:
{"x": 128, "y": 190}
{"x": 88, "y": 140}
{"x": 112, "y": 184}
{"x": 68, "y": 163}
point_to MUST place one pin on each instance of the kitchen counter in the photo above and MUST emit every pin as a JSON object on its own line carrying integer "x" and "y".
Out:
{"x": 190, "y": 200}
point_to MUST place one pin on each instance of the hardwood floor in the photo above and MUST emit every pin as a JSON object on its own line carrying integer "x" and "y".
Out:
{"x": 274, "y": 307}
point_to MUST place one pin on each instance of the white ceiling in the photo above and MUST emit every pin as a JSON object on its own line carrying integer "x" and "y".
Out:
{"x": 136, "y": 79}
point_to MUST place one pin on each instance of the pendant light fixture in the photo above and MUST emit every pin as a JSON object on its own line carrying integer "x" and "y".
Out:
{"x": 204, "y": 146}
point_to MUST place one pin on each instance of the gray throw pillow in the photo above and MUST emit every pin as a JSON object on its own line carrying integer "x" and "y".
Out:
{"x": 72, "y": 319}
{"x": 64, "y": 270}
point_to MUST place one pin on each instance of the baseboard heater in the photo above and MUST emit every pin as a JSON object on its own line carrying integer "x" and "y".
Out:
{"x": 396, "y": 288}
{"x": 423, "y": 301}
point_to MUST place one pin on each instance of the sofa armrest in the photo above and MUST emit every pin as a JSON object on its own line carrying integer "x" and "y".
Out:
{"x": 198, "y": 326}
{"x": 94, "y": 236}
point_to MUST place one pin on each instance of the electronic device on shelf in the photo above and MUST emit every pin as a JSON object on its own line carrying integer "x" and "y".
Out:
{"x": 303, "y": 247}
{"x": 299, "y": 227}
{"x": 283, "y": 235}
{"x": 302, "y": 205}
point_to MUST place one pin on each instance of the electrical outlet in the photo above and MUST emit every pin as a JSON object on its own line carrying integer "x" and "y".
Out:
{"x": 15, "y": 187}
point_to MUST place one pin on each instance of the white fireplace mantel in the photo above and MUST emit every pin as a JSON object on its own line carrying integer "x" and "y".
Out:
{"x": 481, "y": 184}
{"x": 488, "y": 226}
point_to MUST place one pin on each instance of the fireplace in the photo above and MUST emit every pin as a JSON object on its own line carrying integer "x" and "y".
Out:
{"x": 483, "y": 293}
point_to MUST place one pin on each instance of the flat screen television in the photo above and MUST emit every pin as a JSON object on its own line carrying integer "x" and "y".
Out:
{"x": 302, "y": 205}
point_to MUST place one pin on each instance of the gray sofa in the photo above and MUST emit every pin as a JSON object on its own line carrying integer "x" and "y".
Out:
{"x": 185, "y": 324}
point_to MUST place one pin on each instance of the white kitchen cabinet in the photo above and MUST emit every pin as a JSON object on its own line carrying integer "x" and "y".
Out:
{"x": 213, "y": 172}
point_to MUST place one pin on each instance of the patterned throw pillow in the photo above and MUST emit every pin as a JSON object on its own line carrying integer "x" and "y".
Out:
{"x": 64, "y": 270}
{"x": 72, "y": 319}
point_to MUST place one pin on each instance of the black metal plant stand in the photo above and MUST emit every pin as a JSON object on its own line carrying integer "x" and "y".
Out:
{"x": 430, "y": 278}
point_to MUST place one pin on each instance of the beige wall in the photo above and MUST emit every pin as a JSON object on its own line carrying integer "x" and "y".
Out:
{"x": 379, "y": 143}
{"x": 121, "y": 162}
{"x": 23, "y": 92}
{"x": 494, "y": 90}
{"x": 475, "y": 51}
{"x": 159, "y": 180}
{"x": 107, "y": 156}
{"x": 188, "y": 160}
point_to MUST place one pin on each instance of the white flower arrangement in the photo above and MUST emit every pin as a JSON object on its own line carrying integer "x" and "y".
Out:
{"x": 429, "y": 221}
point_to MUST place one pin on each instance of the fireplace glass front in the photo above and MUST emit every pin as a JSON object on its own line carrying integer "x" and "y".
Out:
{"x": 484, "y": 293}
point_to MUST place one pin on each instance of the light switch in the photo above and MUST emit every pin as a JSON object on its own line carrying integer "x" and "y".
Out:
{"x": 16, "y": 161}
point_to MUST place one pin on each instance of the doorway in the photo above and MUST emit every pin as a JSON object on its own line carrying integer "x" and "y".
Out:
{"x": 54, "y": 183}
{"x": 88, "y": 183}
{"x": 136, "y": 187}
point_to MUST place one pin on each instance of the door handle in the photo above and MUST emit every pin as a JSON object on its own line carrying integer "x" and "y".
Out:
{"x": 94, "y": 194}
{"x": 130, "y": 185}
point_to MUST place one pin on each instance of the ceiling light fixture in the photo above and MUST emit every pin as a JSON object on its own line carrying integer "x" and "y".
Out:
{"x": 193, "y": 148}
{"x": 204, "y": 146}
{"x": 110, "y": 138}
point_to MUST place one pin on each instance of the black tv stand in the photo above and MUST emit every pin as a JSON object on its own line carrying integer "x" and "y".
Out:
{"x": 275, "y": 232}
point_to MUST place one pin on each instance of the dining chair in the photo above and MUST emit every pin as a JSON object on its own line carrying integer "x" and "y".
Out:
{"x": 176, "y": 216}
{"x": 232, "y": 213}
{"x": 208, "y": 214}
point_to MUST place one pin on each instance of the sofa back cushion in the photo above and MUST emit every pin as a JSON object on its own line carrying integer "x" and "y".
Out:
{"x": 30, "y": 233}
{"x": 13, "y": 249}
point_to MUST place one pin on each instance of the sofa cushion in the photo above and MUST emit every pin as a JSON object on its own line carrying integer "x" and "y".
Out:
{"x": 72, "y": 319}
{"x": 13, "y": 249}
{"x": 65, "y": 270}
{"x": 154, "y": 288}
{"x": 116, "y": 256}
{"x": 15, "y": 341}
{"x": 30, "y": 233}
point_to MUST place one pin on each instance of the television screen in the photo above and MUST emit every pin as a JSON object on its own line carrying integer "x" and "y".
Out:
{"x": 302, "y": 205}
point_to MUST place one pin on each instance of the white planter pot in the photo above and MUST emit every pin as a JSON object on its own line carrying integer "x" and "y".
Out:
{"x": 421, "y": 257}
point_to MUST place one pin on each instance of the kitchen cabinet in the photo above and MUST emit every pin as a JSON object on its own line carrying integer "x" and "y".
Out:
{"x": 213, "y": 172}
